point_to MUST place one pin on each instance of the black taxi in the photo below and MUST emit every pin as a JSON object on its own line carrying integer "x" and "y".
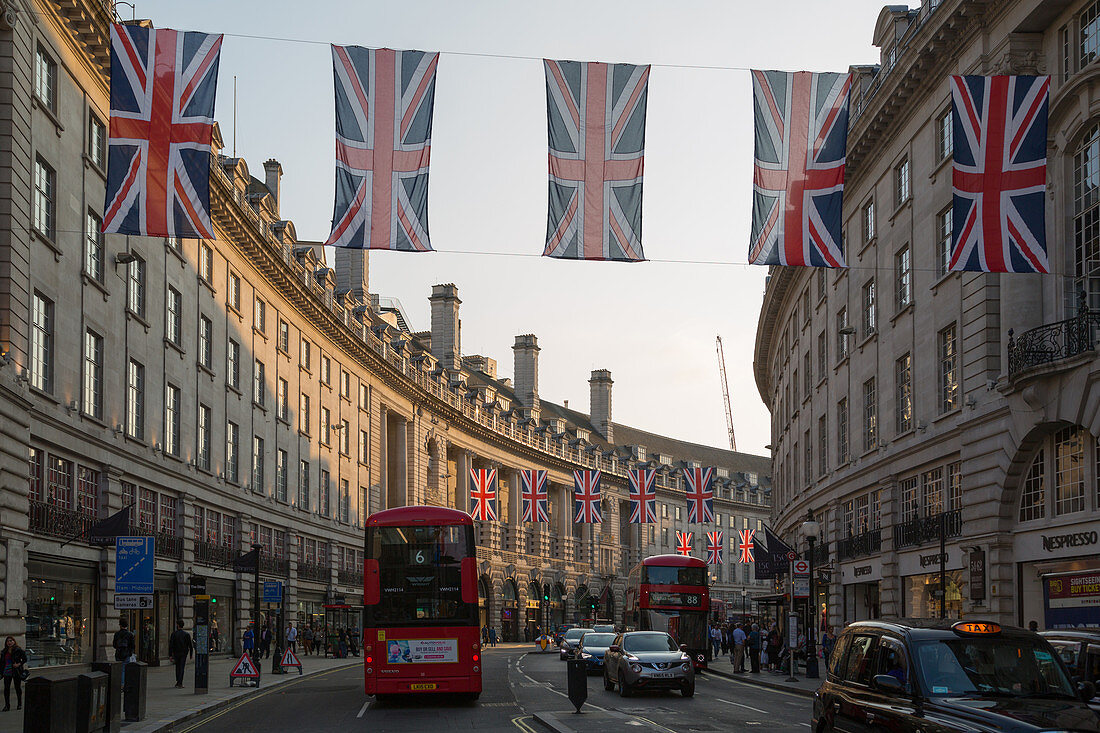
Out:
{"x": 933, "y": 676}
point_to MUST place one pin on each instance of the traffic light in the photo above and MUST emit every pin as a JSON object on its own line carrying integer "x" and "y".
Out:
{"x": 546, "y": 592}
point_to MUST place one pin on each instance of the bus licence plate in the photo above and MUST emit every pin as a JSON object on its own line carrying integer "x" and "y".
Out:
{"x": 422, "y": 686}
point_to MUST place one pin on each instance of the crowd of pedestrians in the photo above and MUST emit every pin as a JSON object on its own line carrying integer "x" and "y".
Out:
{"x": 748, "y": 644}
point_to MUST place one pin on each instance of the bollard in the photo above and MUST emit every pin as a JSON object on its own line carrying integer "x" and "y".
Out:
{"x": 49, "y": 705}
{"x": 91, "y": 702}
{"x": 133, "y": 691}
{"x": 578, "y": 682}
{"x": 112, "y": 723}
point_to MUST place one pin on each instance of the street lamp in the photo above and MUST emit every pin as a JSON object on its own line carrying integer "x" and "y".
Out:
{"x": 811, "y": 529}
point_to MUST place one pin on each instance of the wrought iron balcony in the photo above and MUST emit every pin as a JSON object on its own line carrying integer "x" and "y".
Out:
{"x": 351, "y": 577}
{"x": 864, "y": 543}
{"x": 922, "y": 530}
{"x": 1052, "y": 341}
{"x": 821, "y": 553}
{"x": 313, "y": 571}
{"x": 56, "y": 521}
{"x": 278, "y": 566}
{"x": 212, "y": 553}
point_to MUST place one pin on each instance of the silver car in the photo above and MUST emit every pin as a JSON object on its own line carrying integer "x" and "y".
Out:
{"x": 647, "y": 660}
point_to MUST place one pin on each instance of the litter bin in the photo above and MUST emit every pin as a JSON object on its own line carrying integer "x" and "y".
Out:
{"x": 133, "y": 691}
{"x": 91, "y": 702}
{"x": 578, "y": 682}
{"x": 112, "y": 721}
{"x": 49, "y": 705}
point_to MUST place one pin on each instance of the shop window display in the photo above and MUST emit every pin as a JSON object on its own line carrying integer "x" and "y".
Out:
{"x": 921, "y": 595}
{"x": 59, "y": 622}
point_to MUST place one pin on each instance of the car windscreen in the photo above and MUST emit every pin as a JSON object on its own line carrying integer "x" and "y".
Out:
{"x": 649, "y": 643}
{"x": 993, "y": 666}
{"x": 575, "y": 634}
{"x": 597, "y": 640}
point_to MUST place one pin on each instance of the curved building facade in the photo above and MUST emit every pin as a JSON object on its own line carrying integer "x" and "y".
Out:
{"x": 913, "y": 405}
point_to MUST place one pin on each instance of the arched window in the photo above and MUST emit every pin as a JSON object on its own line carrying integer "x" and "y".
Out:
{"x": 1058, "y": 481}
{"x": 1086, "y": 222}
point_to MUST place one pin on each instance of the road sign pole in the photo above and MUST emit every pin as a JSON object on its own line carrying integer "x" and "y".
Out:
{"x": 256, "y": 609}
{"x": 202, "y": 644}
{"x": 792, "y": 624}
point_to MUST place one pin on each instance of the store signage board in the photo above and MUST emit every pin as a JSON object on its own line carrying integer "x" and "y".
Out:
{"x": 134, "y": 565}
{"x": 133, "y": 601}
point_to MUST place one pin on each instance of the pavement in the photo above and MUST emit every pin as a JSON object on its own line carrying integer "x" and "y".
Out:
{"x": 771, "y": 680}
{"x": 166, "y": 707}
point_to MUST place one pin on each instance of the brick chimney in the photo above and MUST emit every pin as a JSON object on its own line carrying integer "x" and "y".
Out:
{"x": 526, "y": 352}
{"x": 273, "y": 177}
{"x": 600, "y": 403}
{"x": 446, "y": 326}
{"x": 352, "y": 271}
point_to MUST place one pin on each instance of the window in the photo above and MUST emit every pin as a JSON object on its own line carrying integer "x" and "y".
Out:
{"x": 135, "y": 400}
{"x": 842, "y": 333}
{"x": 42, "y": 342}
{"x": 870, "y": 416}
{"x": 258, "y": 465}
{"x": 932, "y": 492}
{"x": 822, "y": 445}
{"x": 280, "y": 475}
{"x": 232, "y": 452}
{"x": 206, "y": 347}
{"x": 943, "y": 135}
{"x": 259, "y": 384}
{"x": 59, "y": 482}
{"x": 870, "y": 316}
{"x": 303, "y": 485}
{"x": 901, "y": 182}
{"x": 284, "y": 337}
{"x": 45, "y": 199}
{"x": 807, "y": 373}
{"x": 820, "y": 284}
{"x": 893, "y": 661}
{"x": 842, "y": 431}
{"x": 364, "y": 446}
{"x": 345, "y": 501}
{"x": 1033, "y": 498}
{"x": 323, "y": 435}
{"x": 93, "y": 374}
{"x": 260, "y": 316}
{"x": 1090, "y": 34}
{"x": 87, "y": 491}
{"x": 943, "y": 242}
{"x": 345, "y": 437}
{"x": 903, "y": 398}
{"x": 93, "y": 246}
{"x": 304, "y": 356}
{"x": 907, "y": 490}
{"x": 345, "y": 385}
{"x": 45, "y": 80}
{"x": 173, "y": 308}
{"x": 97, "y": 142}
{"x": 303, "y": 414}
{"x": 283, "y": 399}
{"x": 808, "y": 457}
{"x": 135, "y": 292}
{"x": 171, "y": 420}
{"x": 677, "y": 513}
{"x": 364, "y": 397}
{"x": 1069, "y": 471}
{"x": 233, "y": 364}
{"x": 204, "y": 438}
{"x": 206, "y": 263}
{"x": 954, "y": 486}
{"x": 868, "y": 221}
{"x": 949, "y": 365}
{"x": 1086, "y": 213}
{"x": 326, "y": 370}
{"x": 822, "y": 355}
{"x": 235, "y": 291}
{"x": 903, "y": 284}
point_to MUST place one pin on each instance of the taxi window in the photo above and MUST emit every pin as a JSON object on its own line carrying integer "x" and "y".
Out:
{"x": 1092, "y": 665}
{"x": 836, "y": 659}
{"x": 857, "y": 666}
{"x": 1067, "y": 650}
{"x": 893, "y": 661}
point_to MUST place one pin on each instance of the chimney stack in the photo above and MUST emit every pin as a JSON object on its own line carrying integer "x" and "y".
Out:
{"x": 273, "y": 177}
{"x": 352, "y": 271}
{"x": 600, "y": 403}
{"x": 446, "y": 327}
{"x": 526, "y": 352}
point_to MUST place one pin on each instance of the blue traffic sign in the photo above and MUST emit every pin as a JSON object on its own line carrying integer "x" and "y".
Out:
{"x": 134, "y": 565}
{"x": 273, "y": 591}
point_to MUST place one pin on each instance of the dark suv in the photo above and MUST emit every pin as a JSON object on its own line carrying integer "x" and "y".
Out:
{"x": 936, "y": 676}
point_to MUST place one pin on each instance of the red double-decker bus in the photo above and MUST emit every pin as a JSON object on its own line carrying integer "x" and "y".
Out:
{"x": 420, "y": 632}
{"x": 670, "y": 593}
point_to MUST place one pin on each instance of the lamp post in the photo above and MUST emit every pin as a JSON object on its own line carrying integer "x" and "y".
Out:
{"x": 811, "y": 529}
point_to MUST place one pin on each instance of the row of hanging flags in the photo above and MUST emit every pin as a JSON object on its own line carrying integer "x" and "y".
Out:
{"x": 163, "y": 85}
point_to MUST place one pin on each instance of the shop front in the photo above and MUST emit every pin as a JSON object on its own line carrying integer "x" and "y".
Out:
{"x": 224, "y": 639}
{"x": 921, "y": 580}
{"x": 860, "y": 588}
{"x": 61, "y": 612}
{"x": 311, "y": 613}
{"x": 532, "y": 620}
{"x": 509, "y": 611}
{"x": 1058, "y": 572}
{"x": 483, "y": 610}
{"x": 152, "y": 627}
{"x": 557, "y": 606}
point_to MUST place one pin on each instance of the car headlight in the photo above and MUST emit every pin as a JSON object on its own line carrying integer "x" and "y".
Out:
{"x": 636, "y": 668}
{"x": 685, "y": 658}
{"x": 585, "y": 655}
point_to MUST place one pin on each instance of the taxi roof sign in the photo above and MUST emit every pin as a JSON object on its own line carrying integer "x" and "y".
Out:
{"x": 976, "y": 627}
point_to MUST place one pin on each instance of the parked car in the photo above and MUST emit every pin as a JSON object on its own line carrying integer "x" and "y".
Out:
{"x": 1080, "y": 650}
{"x": 936, "y": 676}
{"x": 647, "y": 660}
{"x": 569, "y": 641}
{"x": 593, "y": 647}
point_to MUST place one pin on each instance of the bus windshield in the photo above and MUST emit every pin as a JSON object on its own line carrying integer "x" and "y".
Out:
{"x": 420, "y": 575}
{"x": 660, "y": 575}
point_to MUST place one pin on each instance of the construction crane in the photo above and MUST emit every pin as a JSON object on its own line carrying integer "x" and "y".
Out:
{"x": 726, "y": 393}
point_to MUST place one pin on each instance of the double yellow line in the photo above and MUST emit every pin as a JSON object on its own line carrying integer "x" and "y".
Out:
{"x": 520, "y": 722}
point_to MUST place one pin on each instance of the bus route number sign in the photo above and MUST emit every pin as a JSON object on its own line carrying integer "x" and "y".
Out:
{"x": 418, "y": 557}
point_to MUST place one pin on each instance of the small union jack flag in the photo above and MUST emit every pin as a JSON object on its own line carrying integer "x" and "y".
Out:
{"x": 586, "y": 496}
{"x": 535, "y": 497}
{"x": 798, "y": 178}
{"x": 163, "y": 84}
{"x": 483, "y": 494}
{"x": 683, "y": 543}
{"x": 746, "y": 545}
{"x": 596, "y": 119}
{"x": 700, "y": 497}
{"x": 1000, "y": 173}
{"x": 714, "y": 547}
{"x": 384, "y": 104}
{"x": 643, "y": 496}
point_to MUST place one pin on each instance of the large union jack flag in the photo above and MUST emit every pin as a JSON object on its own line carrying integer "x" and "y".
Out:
{"x": 798, "y": 174}
{"x": 746, "y": 545}
{"x": 643, "y": 496}
{"x": 596, "y": 119}
{"x": 535, "y": 497}
{"x": 714, "y": 547}
{"x": 483, "y": 494}
{"x": 1000, "y": 173}
{"x": 700, "y": 496}
{"x": 586, "y": 497}
{"x": 163, "y": 84}
{"x": 683, "y": 543}
{"x": 384, "y": 102}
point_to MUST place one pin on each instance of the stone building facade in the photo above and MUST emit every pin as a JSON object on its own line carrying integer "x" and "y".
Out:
{"x": 241, "y": 390}
{"x": 910, "y": 402}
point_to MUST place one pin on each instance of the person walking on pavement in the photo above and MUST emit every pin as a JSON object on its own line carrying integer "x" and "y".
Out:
{"x": 493, "y": 636}
{"x": 738, "y": 658}
{"x": 773, "y": 646}
{"x": 249, "y": 642}
{"x": 265, "y": 641}
{"x": 307, "y": 639}
{"x": 292, "y": 638}
{"x": 828, "y": 641}
{"x": 715, "y": 639}
{"x": 123, "y": 643}
{"x": 754, "y": 648}
{"x": 180, "y": 647}
{"x": 13, "y": 660}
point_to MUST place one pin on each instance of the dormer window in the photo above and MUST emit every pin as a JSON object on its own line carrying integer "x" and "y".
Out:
{"x": 640, "y": 452}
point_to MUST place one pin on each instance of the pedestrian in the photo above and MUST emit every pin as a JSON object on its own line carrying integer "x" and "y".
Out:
{"x": 265, "y": 641}
{"x": 754, "y": 648}
{"x": 342, "y": 637}
{"x": 249, "y": 642}
{"x": 1033, "y": 626}
{"x": 485, "y": 635}
{"x": 738, "y": 658}
{"x": 527, "y": 633}
{"x": 828, "y": 641}
{"x": 493, "y": 636}
{"x": 773, "y": 646}
{"x": 123, "y": 643}
{"x": 307, "y": 639}
{"x": 353, "y": 641}
{"x": 715, "y": 639}
{"x": 13, "y": 661}
{"x": 180, "y": 647}
{"x": 724, "y": 632}
{"x": 292, "y": 638}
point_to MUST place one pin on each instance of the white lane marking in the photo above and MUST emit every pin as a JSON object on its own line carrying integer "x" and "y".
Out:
{"x": 741, "y": 705}
{"x": 547, "y": 686}
{"x": 761, "y": 688}
{"x": 363, "y": 709}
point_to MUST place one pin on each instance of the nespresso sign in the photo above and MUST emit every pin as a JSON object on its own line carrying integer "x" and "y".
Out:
{"x": 1073, "y": 539}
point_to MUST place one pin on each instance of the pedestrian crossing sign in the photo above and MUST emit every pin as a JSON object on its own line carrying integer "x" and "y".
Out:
{"x": 244, "y": 668}
{"x": 290, "y": 659}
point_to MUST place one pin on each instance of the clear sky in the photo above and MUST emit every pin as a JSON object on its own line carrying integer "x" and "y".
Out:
{"x": 652, "y": 324}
